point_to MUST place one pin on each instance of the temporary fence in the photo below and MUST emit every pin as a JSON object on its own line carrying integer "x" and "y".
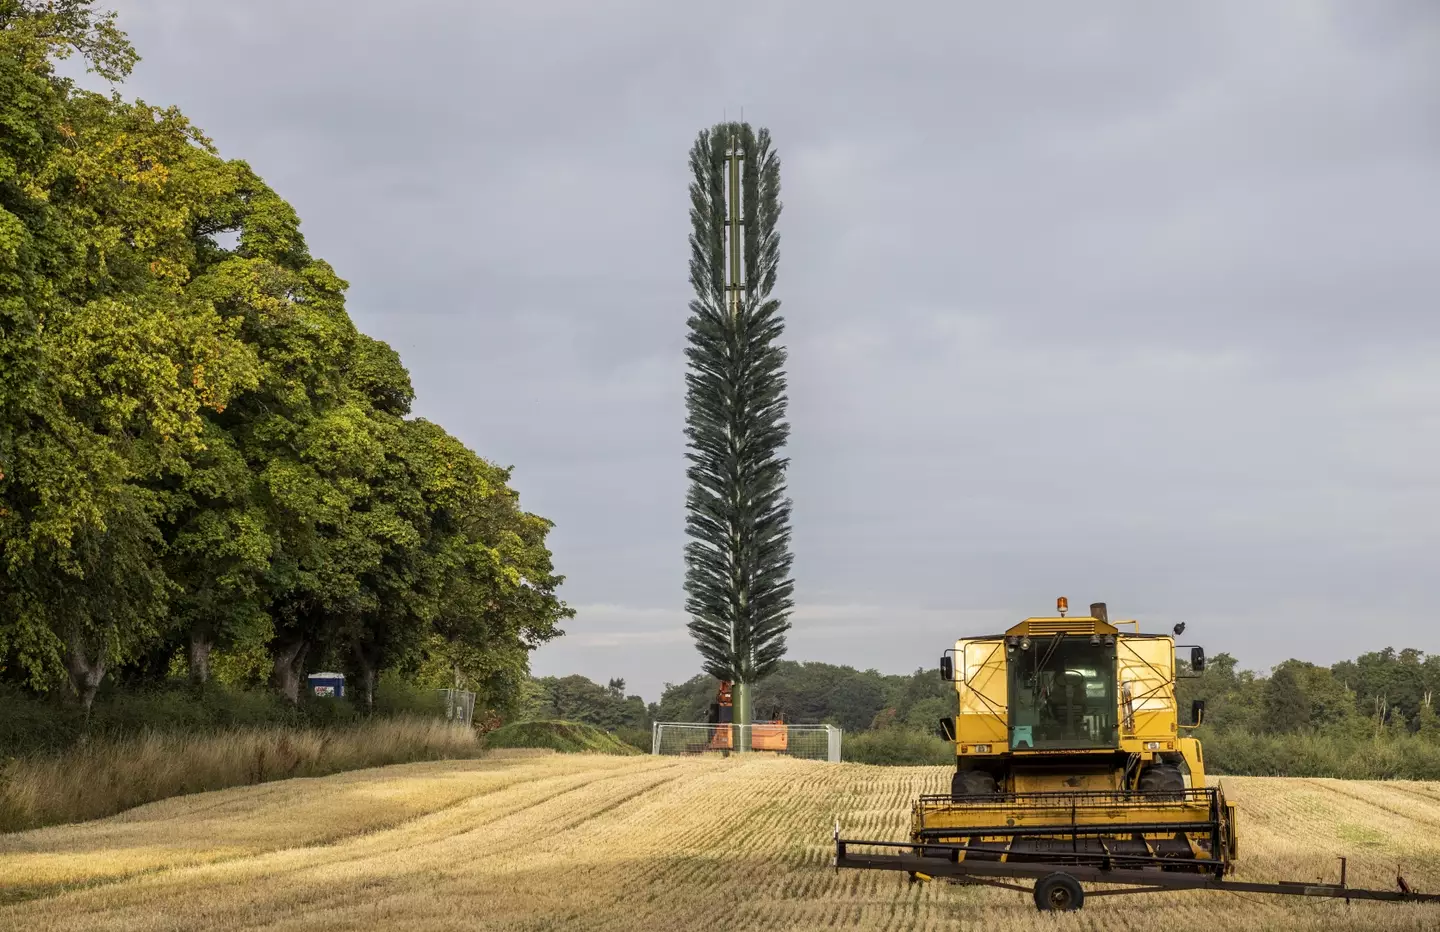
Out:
{"x": 808, "y": 742}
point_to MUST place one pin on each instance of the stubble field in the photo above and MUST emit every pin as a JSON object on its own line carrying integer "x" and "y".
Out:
{"x": 534, "y": 841}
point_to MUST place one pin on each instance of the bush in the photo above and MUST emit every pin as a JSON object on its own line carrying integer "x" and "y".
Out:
{"x": 897, "y": 746}
{"x": 1391, "y": 756}
{"x": 566, "y": 737}
{"x": 103, "y": 777}
{"x": 635, "y": 737}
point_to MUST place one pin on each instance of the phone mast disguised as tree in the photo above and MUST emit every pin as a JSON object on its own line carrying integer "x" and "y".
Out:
{"x": 737, "y": 579}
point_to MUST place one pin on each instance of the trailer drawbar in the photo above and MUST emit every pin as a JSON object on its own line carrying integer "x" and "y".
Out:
{"x": 1057, "y": 886}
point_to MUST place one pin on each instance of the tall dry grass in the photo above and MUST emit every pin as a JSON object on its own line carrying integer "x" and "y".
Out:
{"x": 105, "y": 777}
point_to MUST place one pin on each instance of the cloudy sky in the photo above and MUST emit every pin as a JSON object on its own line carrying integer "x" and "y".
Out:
{"x": 1125, "y": 301}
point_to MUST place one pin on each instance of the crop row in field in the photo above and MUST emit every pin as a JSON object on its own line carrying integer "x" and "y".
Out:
{"x": 530, "y": 841}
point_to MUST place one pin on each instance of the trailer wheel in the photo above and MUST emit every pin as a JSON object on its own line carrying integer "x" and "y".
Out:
{"x": 1058, "y": 892}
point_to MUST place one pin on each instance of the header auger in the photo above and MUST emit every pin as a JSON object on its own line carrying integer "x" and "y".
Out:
{"x": 1071, "y": 764}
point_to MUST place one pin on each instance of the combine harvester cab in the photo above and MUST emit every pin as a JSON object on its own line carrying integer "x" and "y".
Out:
{"x": 1071, "y": 765}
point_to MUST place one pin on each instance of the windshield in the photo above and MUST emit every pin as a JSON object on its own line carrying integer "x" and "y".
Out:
{"x": 1062, "y": 694}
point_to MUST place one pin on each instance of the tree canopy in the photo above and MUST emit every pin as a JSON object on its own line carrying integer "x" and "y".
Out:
{"x": 202, "y": 461}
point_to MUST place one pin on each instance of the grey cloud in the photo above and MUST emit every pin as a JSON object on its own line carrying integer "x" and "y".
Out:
{"x": 1123, "y": 300}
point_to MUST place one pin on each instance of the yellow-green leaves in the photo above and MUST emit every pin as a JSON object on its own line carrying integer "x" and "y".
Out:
{"x": 197, "y": 448}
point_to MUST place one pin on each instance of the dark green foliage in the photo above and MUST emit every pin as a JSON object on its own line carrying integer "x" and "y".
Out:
{"x": 635, "y": 737}
{"x": 1286, "y": 709}
{"x": 820, "y": 693}
{"x": 738, "y": 561}
{"x": 565, "y": 737}
{"x": 897, "y": 746}
{"x": 1311, "y": 754}
{"x": 578, "y": 699}
{"x": 1394, "y": 683}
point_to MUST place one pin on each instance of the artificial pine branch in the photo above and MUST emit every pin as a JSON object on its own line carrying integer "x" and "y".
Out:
{"x": 737, "y": 580}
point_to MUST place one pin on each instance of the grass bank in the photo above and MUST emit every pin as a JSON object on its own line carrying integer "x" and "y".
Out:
{"x": 104, "y": 776}
{"x": 565, "y": 737}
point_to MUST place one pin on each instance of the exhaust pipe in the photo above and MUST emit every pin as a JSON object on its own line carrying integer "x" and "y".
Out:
{"x": 1097, "y": 611}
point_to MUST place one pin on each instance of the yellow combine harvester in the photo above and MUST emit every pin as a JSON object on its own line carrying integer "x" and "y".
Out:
{"x": 1071, "y": 764}
{"x": 1068, "y": 746}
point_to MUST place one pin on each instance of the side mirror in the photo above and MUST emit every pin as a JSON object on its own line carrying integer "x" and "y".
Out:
{"x": 1197, "y": 659}
{"x": 947, "y": 668}
{"x": 947, "y": 729}
{"x": 1197, "y": 711}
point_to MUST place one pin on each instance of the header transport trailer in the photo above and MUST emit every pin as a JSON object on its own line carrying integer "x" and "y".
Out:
{"x": 1071, "y": 765}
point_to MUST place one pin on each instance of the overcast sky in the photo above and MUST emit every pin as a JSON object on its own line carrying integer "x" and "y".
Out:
{"x": 1131, "y": 302}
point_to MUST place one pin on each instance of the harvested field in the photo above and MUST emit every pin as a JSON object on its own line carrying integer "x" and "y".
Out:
{"x": 529, "y": 840}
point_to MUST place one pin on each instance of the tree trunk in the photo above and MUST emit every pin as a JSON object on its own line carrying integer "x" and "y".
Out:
{"x": 289, "y": 661}
{"x": 200, "y": 645}
{"x": 367, "y": 666}
{"x": 85, "y": 675}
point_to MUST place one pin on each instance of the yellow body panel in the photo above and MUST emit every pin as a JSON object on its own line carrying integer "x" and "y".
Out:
{"x": 1147, "y": 698}
{"x": 1189, "y": 748}
{"x": 983, "y": 689}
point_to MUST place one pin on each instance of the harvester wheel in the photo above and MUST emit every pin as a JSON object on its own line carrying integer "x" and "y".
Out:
{"x": 1163, "y": 778}
{"x": 1058, "y": 892}
{"x": 971, "y": 783}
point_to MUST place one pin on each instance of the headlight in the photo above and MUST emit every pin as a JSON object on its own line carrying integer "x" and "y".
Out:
{"x": 1152, "y": 745}
{"x": 982, "y": 749}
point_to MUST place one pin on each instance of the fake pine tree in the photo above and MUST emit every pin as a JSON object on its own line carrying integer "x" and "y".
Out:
{"x": 737, "y": 579}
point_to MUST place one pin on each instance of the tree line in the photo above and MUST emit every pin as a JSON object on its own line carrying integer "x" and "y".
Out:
{"x": 204, "y": 465}
{"x": 1385, "y": 692}
{"x": 1372, "y": 716}
{"x": 855, "y": 700}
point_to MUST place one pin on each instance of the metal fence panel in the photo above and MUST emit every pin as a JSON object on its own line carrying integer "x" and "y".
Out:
{"x": 806, "y": 742}
{"x": 458, "y": 705}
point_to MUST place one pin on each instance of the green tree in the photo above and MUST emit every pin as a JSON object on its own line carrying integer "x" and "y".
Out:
{"x": 1287, "y": 709}
{"x": 1233, "y": 697}
{"x": 578, "y": 699}
{"x": 114, "y": 363}
{"x": 738, "y": 560}
{"x": 814, "y": 693}
{"x": 497, "y": 591}
{"x": 1397, "y": 680}
{"x": 1428, "y": 722}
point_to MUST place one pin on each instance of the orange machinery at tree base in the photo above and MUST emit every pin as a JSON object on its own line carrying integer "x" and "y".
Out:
{"x": 764, "y": 736}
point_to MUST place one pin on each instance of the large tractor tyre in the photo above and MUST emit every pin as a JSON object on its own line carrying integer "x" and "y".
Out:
{"x": 1163, "y": 779}
{"x": 1058, "y": 892}
{"x": 971, "y": 783}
